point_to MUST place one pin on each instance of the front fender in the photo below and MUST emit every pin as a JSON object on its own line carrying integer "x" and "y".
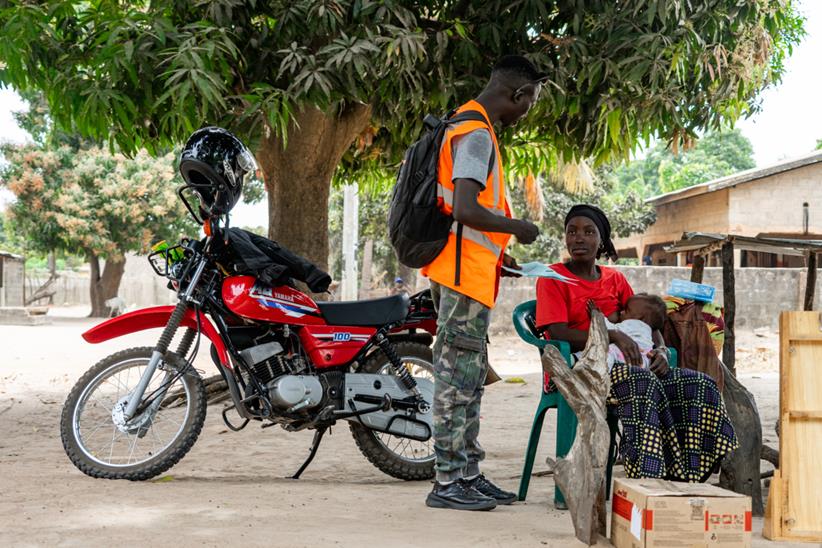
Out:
{"x": 156, "y": 316}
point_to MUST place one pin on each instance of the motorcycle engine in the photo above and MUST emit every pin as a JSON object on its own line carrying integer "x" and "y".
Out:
{"x": 278, "y": 373}
{"x": 295, "y": 392}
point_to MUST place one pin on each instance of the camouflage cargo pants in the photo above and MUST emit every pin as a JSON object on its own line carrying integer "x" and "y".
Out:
{"x": 460, "y": 366}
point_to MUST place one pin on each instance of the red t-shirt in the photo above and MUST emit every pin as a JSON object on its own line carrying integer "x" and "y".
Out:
{"x": 561, "y": 302}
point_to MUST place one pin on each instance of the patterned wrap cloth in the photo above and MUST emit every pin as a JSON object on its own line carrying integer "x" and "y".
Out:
{"x": 674, "y": 427}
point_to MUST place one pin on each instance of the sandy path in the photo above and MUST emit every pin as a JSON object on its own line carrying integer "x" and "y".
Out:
{"x": 230, "y": 489}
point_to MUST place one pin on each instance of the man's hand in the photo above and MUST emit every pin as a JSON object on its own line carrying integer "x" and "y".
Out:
{"x": 510, "y": 262}
{"x": 659, "y": 361}
{"x": 525, "y": 231}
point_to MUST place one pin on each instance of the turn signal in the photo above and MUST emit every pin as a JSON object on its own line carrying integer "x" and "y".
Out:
{"x": 207, "y": 227}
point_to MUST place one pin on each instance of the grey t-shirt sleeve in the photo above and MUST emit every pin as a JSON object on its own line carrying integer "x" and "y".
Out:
{"x": 472, "y": 154}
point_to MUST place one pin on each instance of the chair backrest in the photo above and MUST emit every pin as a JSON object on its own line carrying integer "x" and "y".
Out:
{"x": 525, "y": 324}
{"x": 524, "y": 318}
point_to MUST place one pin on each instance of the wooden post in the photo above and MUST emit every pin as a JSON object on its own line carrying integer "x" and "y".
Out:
{"x": 698, "y": 269}
{"x": 729, "y": 293}
{"x": 580, "y": 474}
{"x": 810, "y": 284}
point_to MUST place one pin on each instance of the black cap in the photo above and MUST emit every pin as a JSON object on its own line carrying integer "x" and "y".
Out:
{"x": 522, "y": 66}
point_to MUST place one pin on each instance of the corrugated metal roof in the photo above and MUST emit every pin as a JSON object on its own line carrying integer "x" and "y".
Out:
{"x": 694, "y": 241}
{"x": 737, "y": 178}
{"x": 10, "y": 255}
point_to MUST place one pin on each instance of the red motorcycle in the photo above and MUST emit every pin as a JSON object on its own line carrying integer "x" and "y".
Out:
{"x": 286, "y": 360}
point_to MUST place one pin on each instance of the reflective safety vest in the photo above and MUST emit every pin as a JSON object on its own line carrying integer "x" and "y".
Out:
{"x": 470, "y": 262}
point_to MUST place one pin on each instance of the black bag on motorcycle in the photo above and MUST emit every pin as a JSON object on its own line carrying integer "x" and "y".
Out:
{"x": 272, "y": 263}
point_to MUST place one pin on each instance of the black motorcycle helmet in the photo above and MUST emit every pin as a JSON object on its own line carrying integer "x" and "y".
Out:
{"x": 214, "y": 163}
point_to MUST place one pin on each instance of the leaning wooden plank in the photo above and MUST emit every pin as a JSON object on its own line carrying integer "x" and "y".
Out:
{"x": 581, "y": 474}
{"x": 801, "y": 428}
{"x": 796, "y": 490}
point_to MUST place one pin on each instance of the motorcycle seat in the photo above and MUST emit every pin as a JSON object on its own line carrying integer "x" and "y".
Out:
{"x": 372, "y": 312}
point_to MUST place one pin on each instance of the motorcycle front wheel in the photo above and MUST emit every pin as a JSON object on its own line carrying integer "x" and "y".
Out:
{"x": 399, "y": 457}
{"x": 103, "y": 444}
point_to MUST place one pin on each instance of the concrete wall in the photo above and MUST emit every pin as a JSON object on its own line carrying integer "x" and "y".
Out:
{"x": 761, "y": 293}
{"x": 140, "y": 286}
{"x": 11, "y": 291}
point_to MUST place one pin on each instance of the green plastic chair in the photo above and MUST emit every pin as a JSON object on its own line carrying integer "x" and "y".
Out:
{"x": 525, "y": 325}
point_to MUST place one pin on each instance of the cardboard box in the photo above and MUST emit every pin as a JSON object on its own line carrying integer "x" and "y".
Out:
{"x": 652, "y": 513}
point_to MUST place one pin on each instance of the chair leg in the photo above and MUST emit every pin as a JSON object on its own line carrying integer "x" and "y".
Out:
{"x": 531, "y": 451}
{"x": 566, "y": 433}
{"x": 613, "y": 426}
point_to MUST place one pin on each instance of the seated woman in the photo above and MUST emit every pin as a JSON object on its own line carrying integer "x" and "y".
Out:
{"x": 674, "y": 423}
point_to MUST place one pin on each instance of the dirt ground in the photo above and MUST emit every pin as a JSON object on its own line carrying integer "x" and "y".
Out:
{"x": 231, "y": 488}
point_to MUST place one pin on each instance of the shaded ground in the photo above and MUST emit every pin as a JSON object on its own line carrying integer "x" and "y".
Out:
{"x": 230, "y": 489}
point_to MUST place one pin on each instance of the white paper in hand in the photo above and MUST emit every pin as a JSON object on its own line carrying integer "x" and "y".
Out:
{"x": 539, "y": 270}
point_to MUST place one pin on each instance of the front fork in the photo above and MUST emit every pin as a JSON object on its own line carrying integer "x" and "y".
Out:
{"x": 162, "y": 345}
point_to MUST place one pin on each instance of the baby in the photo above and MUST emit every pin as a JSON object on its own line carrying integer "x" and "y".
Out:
{"x": 643, "y": 314}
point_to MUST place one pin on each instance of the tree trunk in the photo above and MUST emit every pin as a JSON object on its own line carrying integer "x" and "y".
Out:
{"x": 298, "y": 177}
{"x": 52, "y": 272}
{"x": 409, "y": 276}
{"x": 104, "y": 287}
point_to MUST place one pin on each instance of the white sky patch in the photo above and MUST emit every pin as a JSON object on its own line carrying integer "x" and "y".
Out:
{"x": 790, "y": 121}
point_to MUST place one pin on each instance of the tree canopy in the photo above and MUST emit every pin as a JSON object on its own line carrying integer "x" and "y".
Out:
{"x": 718, "y": 154}
{"x": 303, "y": 80}
{"x": 146, "y": 74}
{"x": 92, "y": 201}
{"x": 73, "y": 196}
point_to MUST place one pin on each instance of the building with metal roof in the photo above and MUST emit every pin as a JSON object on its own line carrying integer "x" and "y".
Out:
{"x": 783, "y": 200}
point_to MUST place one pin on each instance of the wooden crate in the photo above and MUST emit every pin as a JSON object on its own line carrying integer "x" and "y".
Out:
{"x": 794, "y": 509}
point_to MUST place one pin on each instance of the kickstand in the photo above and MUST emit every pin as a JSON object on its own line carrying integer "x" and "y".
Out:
{"x": 318, "y": 437}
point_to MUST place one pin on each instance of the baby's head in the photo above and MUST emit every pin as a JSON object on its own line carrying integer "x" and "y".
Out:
{"x": 650, "y": 309}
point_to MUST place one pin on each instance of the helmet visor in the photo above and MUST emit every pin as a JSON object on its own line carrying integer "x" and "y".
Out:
{"x": 246, "y": 161}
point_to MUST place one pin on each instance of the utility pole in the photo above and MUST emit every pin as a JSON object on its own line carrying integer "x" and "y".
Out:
{"x": 351, "y": 206}
{"x": 367, "y": 261}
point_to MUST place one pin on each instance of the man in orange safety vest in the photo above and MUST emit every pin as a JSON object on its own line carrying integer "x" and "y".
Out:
{"x": 465, "y": 279}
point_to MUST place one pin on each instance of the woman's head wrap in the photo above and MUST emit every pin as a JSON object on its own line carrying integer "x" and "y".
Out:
{"x": 601, "y": 221}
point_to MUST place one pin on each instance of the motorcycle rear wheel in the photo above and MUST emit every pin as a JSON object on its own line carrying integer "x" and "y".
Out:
{"x": 90, "y": 418}
{"x": 401, "y": 458}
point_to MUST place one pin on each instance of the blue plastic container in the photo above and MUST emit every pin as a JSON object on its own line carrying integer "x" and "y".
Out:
{"x": 687, "y": 289}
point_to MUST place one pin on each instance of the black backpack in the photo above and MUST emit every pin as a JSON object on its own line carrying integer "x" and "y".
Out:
{"x": 417, "y": 228}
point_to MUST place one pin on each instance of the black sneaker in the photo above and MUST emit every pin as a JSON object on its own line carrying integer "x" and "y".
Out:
{"x": 458, "y": 495}
{"x": 484, "y": 486}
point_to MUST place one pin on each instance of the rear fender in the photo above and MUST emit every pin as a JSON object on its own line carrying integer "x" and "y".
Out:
{"x": 156, "y": 316}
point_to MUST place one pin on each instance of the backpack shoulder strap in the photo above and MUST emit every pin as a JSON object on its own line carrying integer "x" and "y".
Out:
{"x": 471, "y": 116}
{"x": 467, "y": 116}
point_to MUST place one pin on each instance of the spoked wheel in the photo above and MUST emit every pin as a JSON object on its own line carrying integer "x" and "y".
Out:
{"x": 103, "y": 444}
{"x": 399, "y": 457}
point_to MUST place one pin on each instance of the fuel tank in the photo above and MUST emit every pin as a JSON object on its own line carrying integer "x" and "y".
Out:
{"x": 248, "y": 297}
